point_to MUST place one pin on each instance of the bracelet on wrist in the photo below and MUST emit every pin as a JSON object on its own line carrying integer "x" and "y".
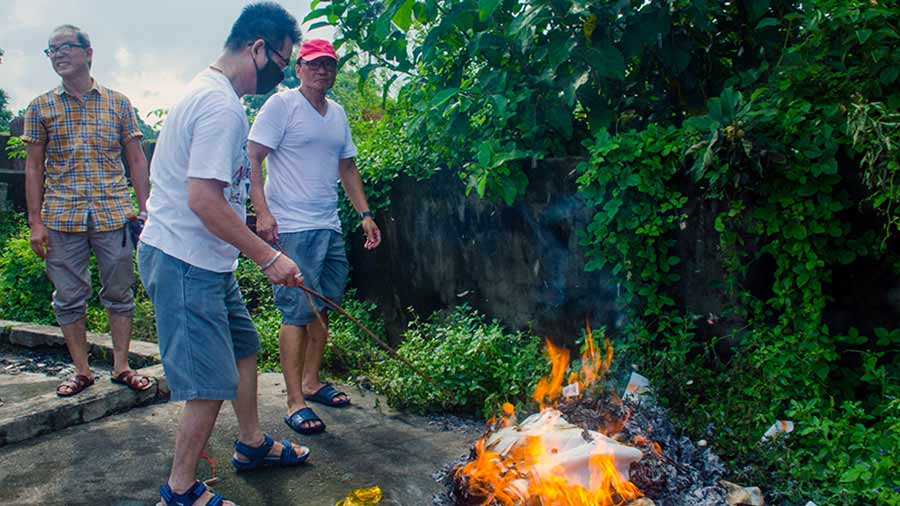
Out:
{"x": 363, "y": 215}
{"x": 271, "y": 261}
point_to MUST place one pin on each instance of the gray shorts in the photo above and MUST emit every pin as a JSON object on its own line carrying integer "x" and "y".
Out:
{"x": 323, "y": 262}
{"x": 202, "y": 323}
{"x": 68, "y": 261}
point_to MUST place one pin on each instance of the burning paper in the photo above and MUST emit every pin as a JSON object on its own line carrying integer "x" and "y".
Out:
{"x": 546, "y": 456}
{"x": 548, "y": 459}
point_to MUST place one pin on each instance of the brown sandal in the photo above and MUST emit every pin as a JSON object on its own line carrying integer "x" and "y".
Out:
{"x": 133, "y": 380}
{"x": 75, "y": 384}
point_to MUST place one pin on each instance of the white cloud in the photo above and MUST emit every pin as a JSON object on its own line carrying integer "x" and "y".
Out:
{"x": 150, "y": 81}
{"x": 30, "y": 13}
{"x": 123, "y": 57}
{"x": 18, "y": 87}
{"x": 149, "y": 51}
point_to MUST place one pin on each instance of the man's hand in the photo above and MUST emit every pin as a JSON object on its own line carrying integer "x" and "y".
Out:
{"x": 373, "y": 234}
{"x": 267, "y": 227}
{"x": 284, "y": 272}
{"x": 40, "y": 240}
{"x": 136, "y": 224}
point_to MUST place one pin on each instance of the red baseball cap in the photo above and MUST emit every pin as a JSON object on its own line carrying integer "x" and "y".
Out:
{"x": 316, "y": 48}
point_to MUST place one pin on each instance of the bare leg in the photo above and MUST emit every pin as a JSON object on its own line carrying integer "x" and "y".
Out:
{"x": 194, "y": 427}
{"x": 292, "y": 346}
{"x": 247, "y": 411}
{"x": 120, "y": 328}
{"x": 315, "y": 349}
{"x": 76, "y": 341}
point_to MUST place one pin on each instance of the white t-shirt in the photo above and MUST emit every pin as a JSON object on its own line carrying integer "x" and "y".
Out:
{"x": 204, "y": 136}
{"x": 302, "y": 169}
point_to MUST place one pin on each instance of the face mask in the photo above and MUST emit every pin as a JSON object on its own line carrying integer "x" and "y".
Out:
{"x": 268, "y": 77}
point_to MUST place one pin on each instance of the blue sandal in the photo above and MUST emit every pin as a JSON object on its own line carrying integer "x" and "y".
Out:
{"x": 327, "y": 395}
{"x": 259, "y": 456}
{"x": 189, "y": 497}
{"x": 297, "y": 419}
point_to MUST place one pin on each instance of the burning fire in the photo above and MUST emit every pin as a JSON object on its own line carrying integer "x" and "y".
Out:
{"x": 540, "y": 462}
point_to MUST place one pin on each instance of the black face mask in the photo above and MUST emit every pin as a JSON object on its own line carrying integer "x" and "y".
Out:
{"x": 268, "y": 77}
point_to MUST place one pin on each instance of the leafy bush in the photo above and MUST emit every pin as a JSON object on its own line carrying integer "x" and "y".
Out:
{"x": 25, "y": 291}
{"x": 477, "y": 361}
{"x": 349, "y": 349}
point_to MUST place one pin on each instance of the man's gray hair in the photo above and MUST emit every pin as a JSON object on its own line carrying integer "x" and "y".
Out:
{"x": 80, "y": 34}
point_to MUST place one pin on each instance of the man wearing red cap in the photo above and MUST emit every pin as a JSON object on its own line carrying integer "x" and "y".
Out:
{"x": 307, "y": 140}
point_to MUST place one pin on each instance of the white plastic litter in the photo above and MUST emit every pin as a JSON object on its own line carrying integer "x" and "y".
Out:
{"x": 779, "y": 427}
{"x": 568, "y": 446}
{"x": 638, "y": 386}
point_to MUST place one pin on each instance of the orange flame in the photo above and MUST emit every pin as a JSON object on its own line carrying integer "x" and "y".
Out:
{"x": 530, "y": 471}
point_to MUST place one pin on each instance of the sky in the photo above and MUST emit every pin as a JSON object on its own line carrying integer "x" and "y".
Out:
{"x": 147, "y": 50}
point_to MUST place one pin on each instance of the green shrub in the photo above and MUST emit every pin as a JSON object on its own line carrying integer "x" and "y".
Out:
{"x": 268, "y": 323}
{"x": 349, "y": 349}
{"x": 255, "y": 286}
{"x": 25, "y": 291}
{"x": 478, "y": 361}
{"x": 11, "y": 224}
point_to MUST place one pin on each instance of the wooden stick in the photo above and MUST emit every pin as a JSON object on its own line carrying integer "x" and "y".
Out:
{"x": 381, "y": 343}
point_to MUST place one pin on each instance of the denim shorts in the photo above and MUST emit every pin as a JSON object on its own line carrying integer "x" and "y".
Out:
{"x": 323, "y": 262}
{"x": 202, "y": 323}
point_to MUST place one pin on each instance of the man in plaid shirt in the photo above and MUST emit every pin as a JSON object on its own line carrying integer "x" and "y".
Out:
{"x": 78, "y": 200}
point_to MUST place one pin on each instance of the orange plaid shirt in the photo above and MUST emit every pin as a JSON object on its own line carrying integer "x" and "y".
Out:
{"x": 83, "y": 172}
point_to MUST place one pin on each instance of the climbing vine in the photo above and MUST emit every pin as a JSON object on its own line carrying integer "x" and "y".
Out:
{"x": 776, "y": 118}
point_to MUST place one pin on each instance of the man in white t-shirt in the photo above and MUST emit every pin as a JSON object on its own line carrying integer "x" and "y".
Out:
{"x": 188, "y": 252}
{"x": 307, "y": 140}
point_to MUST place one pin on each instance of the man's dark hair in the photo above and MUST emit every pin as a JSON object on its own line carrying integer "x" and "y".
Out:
{"x": 265, "y": 20}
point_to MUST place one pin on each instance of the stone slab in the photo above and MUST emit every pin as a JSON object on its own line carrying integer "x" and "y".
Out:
{"x": 41, "y": 414}
{"x": 30, "y": 335}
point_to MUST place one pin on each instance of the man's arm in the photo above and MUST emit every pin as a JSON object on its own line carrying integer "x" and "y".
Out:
{"x": 353, "y": 187}
{"x": 140, "y": 179}
{"x": 34, "y": 196}
{"x": 207, "y": 201}
{"x": 266, "y": 226}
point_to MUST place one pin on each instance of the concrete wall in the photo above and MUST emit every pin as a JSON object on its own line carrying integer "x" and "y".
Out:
{"x": 519, "y": 263}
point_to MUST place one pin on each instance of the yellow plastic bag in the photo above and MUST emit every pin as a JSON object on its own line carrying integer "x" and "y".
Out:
{"x": 362, "y": 497}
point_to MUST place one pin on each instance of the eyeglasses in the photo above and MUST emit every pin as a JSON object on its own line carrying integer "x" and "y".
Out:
{"x": 285, "y": 60}
{"x": 315, "y": 65}
{"x": 62, "y": 49}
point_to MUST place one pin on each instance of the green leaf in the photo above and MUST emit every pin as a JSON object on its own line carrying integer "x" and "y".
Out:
{"x": 317, "y": 13}
{"x": 443, "y": 96}
{"x": 486, "y": 9}
{"x": 482, "y": 183}
{"x": 560, "y": 119}
{"x": 484, "y": 154}
{"x": 889, "y": 74}
{"x": 765, "y": 22}
{"x": 863, "y": 35}
{"x": 319, "y": 24}
{"x": 403, "y": 17}
{"x": 607, "y": 61}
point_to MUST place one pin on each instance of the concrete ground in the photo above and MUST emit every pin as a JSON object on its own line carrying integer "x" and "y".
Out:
{"x": 122, "y": 460}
